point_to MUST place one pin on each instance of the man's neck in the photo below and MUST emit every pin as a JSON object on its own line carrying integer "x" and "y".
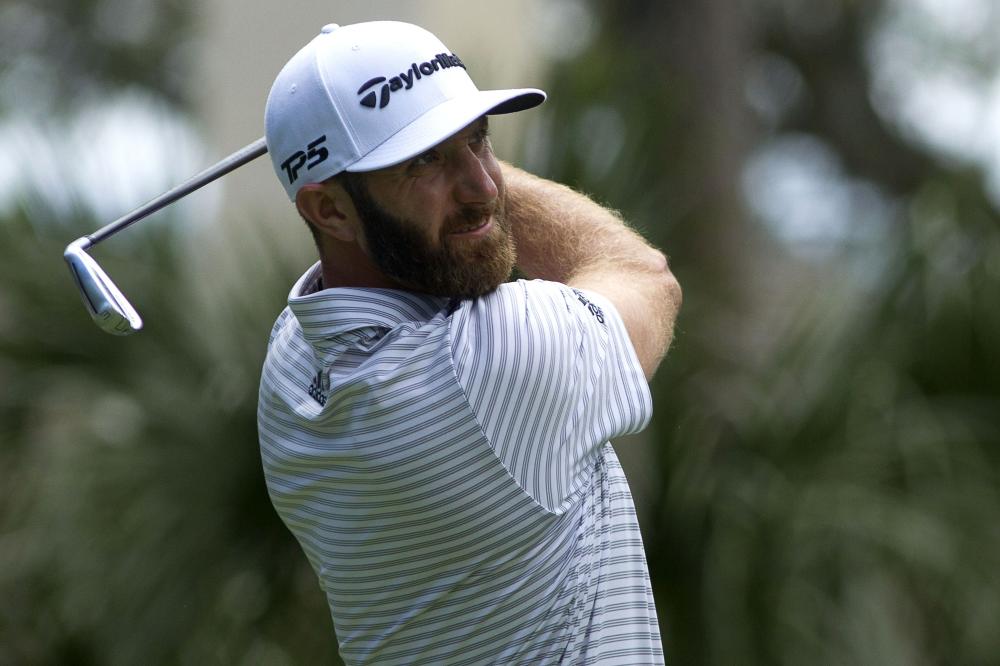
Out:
{"x": 346, "y": 265}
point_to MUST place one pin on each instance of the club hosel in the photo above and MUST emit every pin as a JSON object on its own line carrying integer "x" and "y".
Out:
{"x": 81, "y": 244}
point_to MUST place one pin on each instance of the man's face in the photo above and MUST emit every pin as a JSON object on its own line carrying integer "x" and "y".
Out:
{"x": 436, "y": 224}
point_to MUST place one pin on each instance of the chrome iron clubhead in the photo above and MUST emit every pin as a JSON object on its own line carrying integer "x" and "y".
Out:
{"x": 105, "y": 303}
{"x": 109, "y": 309}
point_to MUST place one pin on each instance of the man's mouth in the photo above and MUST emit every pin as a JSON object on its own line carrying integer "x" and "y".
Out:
{"x": 477, "y": 228}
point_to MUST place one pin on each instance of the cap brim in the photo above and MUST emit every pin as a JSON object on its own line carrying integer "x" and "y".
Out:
{"x": 444, "y": 120}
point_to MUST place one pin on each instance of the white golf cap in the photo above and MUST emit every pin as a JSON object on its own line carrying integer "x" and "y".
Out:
{"x": 369, "y": 95}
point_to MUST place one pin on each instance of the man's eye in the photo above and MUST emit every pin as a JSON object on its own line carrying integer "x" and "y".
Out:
{"x": 480, "y": 137}
{"x": 427, "y": 158}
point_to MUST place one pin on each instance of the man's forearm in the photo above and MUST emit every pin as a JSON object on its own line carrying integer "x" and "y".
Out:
{"x": 564, "y": 236}
{"x": 561, "y": 233}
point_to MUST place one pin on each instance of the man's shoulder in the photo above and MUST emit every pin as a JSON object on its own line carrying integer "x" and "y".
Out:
{"x": 525, "y": 301}
{"x": 519, "y": 291}
{"x": 545, "y": 320}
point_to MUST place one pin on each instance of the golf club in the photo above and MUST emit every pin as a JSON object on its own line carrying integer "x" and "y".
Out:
{"x": 106, "y": 304}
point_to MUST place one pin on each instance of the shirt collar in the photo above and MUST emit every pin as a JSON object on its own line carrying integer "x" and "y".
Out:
{"x": 327, "y": 313}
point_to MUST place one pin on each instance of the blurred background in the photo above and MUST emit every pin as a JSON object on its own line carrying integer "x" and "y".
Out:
{"x": 820, "y": 482}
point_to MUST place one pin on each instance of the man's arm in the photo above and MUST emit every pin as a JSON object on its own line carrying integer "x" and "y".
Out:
{"x": 563, "y": 236}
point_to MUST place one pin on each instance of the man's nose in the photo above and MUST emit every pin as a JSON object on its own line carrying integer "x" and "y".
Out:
{"x": 473, "y": 183}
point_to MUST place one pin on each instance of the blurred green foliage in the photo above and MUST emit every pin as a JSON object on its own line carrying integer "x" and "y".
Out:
{"x": 826, "y": 426}
{"x": 54, "y": 53}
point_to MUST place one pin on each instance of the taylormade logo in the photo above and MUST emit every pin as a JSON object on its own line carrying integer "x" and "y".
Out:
{"x": 594, "y": 309}
{"x": 405, "y": 80}
{"x": 313, "y": 154}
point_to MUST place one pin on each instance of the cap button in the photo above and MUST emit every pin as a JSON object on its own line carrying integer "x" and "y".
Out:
{"x": 328, "y": 28}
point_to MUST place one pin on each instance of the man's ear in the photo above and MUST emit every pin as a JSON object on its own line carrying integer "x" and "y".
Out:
{"x": 330, "y": 209}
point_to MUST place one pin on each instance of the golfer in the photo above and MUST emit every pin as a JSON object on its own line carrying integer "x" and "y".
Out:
{"x": 435, "y": 436}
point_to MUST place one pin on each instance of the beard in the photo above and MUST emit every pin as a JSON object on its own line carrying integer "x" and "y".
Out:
{"x": 447, "y": 267}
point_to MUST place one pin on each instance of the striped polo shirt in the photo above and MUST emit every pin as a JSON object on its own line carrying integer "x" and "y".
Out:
{"x": 446, "y": 467}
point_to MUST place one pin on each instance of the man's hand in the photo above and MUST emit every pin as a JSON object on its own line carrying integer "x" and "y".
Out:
{"x": 562, "y": 235}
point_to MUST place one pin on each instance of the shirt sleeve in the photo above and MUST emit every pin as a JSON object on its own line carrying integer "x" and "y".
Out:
{"x": 551, "y": 375}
